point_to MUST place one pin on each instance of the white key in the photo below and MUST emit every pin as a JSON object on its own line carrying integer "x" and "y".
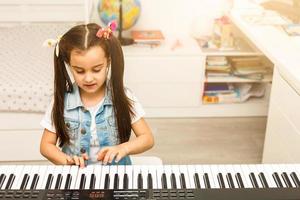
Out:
{"x": 50, "y": 169}
{"x": 113, "y": 169}
{"x": 168, "y": 171}
{"x": 183, "y": 170}
{"x": 129, "y": 172}
{"x": 279, "y": 172}
{"x": 65, "y": 172}
{"x": 121, "y": 172}
{"x": 41, "y": 172}
{"x": 57, "y": 170}
{"x": 288, "y": 169}
{"x": 199, "y": 170}
{"x": 26, "y": 170}
{"x": 237, "y": 169}
{"x": 98, "y": 175}
{"x": 191, "y": 172}
{"x": 253, "y": 169}
{"x": 74, "y": 174}
{"x": 176, "y": 171}
{"x": 89, "y": 171}
{"x": 246, "y": 172}
{"x": 105, "y": 170}
{"x": 81, "y": 171}
{"x": 159, "y": 172}
{"x": 17, "y": 172}
{"x": 230, "y": 169}
{"x": 144, "y": 171}
{"x": 136, "y": 171}
{"x": 34, "y": 170}
{"x": 214, "y": 170}
{"x": 268, "y": 174}
{"x": 152, "y": 171}
{"x": 223, "y": 171}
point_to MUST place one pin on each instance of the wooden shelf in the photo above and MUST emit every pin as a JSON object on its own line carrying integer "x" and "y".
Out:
{"x": 234, "y": 79}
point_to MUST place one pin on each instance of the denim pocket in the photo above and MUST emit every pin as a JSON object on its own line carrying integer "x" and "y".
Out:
{"x": 72, "y": 127}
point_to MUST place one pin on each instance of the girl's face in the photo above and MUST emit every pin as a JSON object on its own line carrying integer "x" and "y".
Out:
{"x": 89, "y": 69}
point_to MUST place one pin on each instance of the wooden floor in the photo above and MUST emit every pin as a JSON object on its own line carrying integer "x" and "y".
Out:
{"x": 208, "y": 140}
{"x": 204, "y": 140}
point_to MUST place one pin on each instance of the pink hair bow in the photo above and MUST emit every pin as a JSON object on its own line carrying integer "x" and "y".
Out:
{"x": 107, "y": 32}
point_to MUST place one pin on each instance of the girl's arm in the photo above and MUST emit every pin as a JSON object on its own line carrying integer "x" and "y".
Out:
{"x": 49, "y": 149}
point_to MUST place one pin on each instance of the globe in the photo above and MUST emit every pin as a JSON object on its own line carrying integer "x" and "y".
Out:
{"x": 108, "y": 11}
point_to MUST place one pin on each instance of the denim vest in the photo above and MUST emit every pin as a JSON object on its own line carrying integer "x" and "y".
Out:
{"x": 78, "y": 122}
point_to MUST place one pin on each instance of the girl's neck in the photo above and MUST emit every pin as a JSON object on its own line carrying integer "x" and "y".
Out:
{"x": 92, "y": 99}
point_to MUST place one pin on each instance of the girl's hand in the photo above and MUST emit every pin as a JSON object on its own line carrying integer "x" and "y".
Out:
{"x": 108, "y": 154}
{"x": 77, "y": 160}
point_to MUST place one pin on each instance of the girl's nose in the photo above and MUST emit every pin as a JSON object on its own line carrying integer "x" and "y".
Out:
{"x": 88, "y": 77}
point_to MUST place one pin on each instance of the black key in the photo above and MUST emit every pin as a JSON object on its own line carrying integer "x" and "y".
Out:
{"x": 173, "y": 181}
{"x": 24, "y": 182}
{"x": 106, "y": 181}
{"x": 197, "y": 180}
{"x": 221, "y": 180}
{"x": 10, "y": 181}
{"x": 294, "y": 177}
{"x": 58, "y": 181}
{"x": 35, "y": 180}
{"x": 277, "y": 180}
{"x": 125, "y": 181}
{"x": 253, "y": 180}
{"x": 230, "y": 180}
{"x": 82, "y": 181}
{"x": 140, "y": 181}
{"x": 206, "y": 180}
{"x": 286, "y": 179}
{"x": 92, "y": 181}
{"x": 239, "y": 180}
{"x": 164, "y": 181}
{"x": 116, "y": 181}
{"x": 68, "y": 181}
{"x": 182, "y": 181}
{"x": 2, "y": 179}
{"x": 49, "y": 181}
{"x": 263, "y": 180}
{"x": 149, "y": 181}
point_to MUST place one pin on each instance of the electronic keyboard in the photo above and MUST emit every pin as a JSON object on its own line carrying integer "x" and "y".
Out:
{"x": 255, "y": 181}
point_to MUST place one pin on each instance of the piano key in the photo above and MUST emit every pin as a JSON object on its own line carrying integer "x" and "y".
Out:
{"x": 10, "y": 181}
{"x": 278, "y": 172}
{"x": 24, "y": 181}
{"x": 65, "y": 174}
{"x": 106, "y": 181}
{"x": 88, "y": 175}
{"x": 17, "y": 172}
{"x": 221, "y": 180}
{"x": 167, "y": 172}
{"x": 57, "y": 170}
{"x": 41, "y": 172}
{"x": 116, "y": 181}
{"x": 209, "y": 179}
{"x": 246, "y": 172}
{"x": 173, "y": 181}
{"x": 197, "y": 180}
{"x": 49, "y": 170}
{"x": 239, "y": 180}
{"x": 113, "y": 170}
{"x": 176, "y": 171}
{"x": 159, "y": 171}
{"x": 164, "y": 181}
{"x": 26, "y": 170}
{"x": 74, "y": 174}
{"x": 145, "y": 172}
{"x": 230, "y": 170}
{"x": 136, "y": 172}
{"x": 80, "y": 181}
{"x": 185, "y": 176}
{"x": 224, "y": 171}
{"x": 253, "y": 169}
{"x": 7, "y": 170}
{"x": 104, "y": 171}
{"x": 263, "y": 180}
{"x": 58, "y": 181}
{"x": 230, "y": 180}
{"x": 149, "y": 181}
{"x": 286, "y": 180}
{"x": 214, "y": 171}
{"x": 2, "y": 178}
{"x": 92, "y": 181}
{"x": 67, "y": 184}
{"x": 295, "y": 179}
{"x": 121, "y": 171}
{"x": 253, "y": 180}
{"x": 140, "y": 181}
{"x": 152, "y": 171}
{"x": 199, "y": 170}
{"x": 277, "y": 180}
{"x": 192, "y": 172}
{"x": 34, "y": 182}
{"x": 125, "y": 181}
{"x": 129, "y": 172}
{"x": 288, "y": 168}
{"x": 268, "y": 170}
{"x": 183, "y": 181}
{"x": 98, "y": 173}
{"x": 34, "y": 170}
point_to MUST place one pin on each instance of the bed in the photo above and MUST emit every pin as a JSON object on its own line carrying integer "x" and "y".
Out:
{"x": 26, "y": 77}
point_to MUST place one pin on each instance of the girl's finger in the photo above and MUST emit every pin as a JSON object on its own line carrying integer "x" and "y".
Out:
{"x": 106, "y": 158}
{"x": 76, "y": 160}
{"x": 119, "y": 157}
{"x": 81, "y": 162}
{"x": 102, "y": 153}
{"x": 70, "y": 160}
{"x": 111, "y": 157}
{"x": 85, "y": 156}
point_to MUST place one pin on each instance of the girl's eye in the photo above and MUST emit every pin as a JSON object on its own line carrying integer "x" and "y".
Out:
{"x": 79, "y": 72}
{"x": 97, "y": 70}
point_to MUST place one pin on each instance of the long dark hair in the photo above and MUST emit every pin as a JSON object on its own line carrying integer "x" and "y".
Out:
{"x": 83, "y": 37}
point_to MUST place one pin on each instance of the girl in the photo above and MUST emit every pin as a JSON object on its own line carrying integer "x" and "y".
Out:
{"x": 92, "y": 118}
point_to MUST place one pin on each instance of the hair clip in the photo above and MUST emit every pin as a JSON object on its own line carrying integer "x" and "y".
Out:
{"x": 53, "y": 43}
{"x": 107, "y": 32}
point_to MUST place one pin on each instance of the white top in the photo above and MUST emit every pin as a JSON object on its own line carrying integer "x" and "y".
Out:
{"x": 137, "y": 109}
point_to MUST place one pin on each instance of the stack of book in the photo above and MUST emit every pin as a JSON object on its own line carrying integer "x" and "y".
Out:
{"x": 250, "y": 67}
{"x": 147, "y": 37}
{"x": 217, "y": 66}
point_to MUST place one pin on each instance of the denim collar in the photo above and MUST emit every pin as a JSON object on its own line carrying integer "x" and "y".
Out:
{"x": 73, "y": 99}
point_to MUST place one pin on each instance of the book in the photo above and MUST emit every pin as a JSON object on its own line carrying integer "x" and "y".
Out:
{"x": 147, "y": 36}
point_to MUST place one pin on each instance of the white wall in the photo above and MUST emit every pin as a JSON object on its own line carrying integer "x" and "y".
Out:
{"x": 178, "y": 16}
